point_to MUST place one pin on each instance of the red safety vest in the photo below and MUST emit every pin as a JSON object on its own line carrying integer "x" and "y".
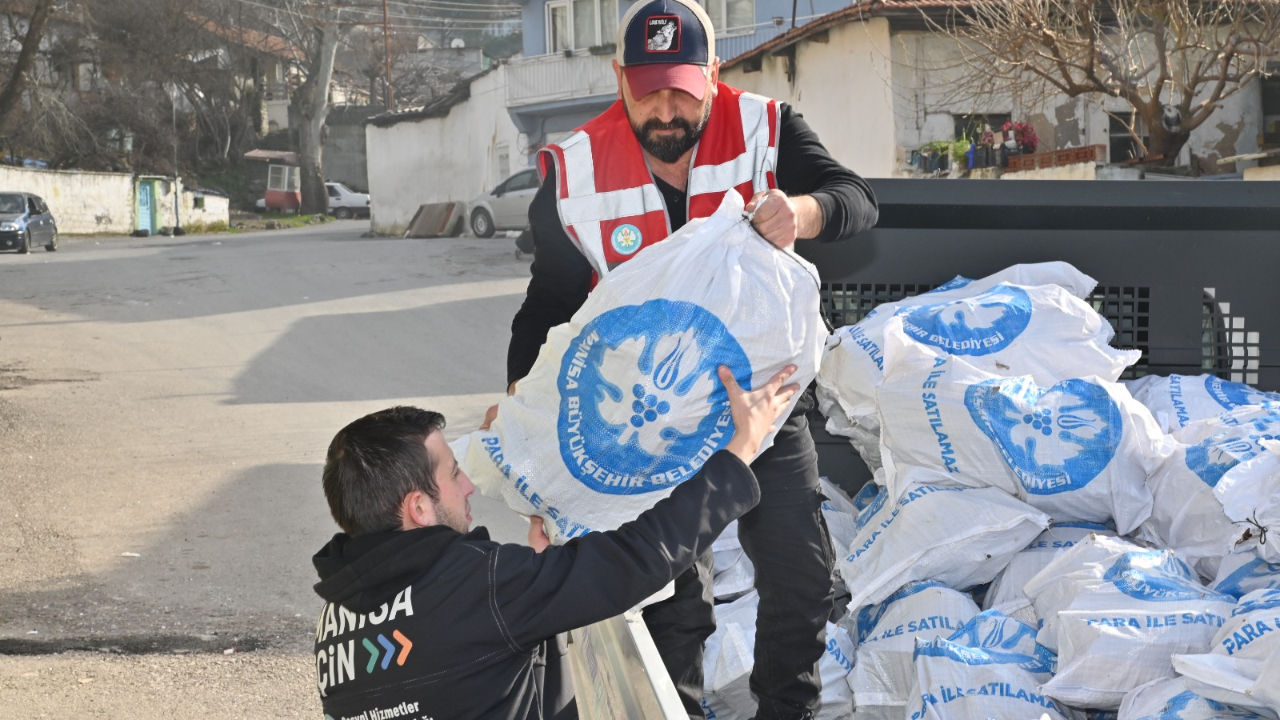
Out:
{"x": 607, "y": 199}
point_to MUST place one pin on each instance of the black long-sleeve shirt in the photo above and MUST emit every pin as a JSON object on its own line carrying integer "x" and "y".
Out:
{"x": 466, "y": 622}
{"x": 562, "y": 276}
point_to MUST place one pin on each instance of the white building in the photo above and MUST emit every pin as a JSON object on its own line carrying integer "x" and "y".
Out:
{"x": 451, "y": 150}
{"x": 875, "y": 83}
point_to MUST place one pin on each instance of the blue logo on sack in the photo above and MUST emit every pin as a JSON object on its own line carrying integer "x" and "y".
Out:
{"x": 1232, "y": 395}
{"x": 1056, "y": 440}
{"x": 1157, "y": 576}
{"x": 865, "y": 496}
{"x": 979, "y": 325}
{"x": 1215, "y": 456}
{"x": 1268, "y": 600}
{"x": 868, "y": 512}
{"x": 625, "y": 239}
{"x": 869, "y": 617}
{"x": 1256, "y": 574}
{"x": 1188, "y": 704}
{"x": 1007, "y": 640}
{"x": 954, "y": 283}
{"x": 641, "y": 405}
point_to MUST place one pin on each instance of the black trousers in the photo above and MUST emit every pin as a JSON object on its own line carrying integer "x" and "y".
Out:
{"x": 786, "y": 538}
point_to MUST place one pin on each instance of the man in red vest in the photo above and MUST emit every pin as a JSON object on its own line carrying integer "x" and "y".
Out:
{"x": 667, "y": 152}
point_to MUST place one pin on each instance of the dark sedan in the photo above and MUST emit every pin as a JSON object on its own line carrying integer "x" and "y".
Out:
{"x": 25, "y": 221}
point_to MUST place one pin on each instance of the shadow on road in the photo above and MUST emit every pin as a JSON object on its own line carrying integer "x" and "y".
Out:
{"x": 234, "y": 571}
{"x": 420, "y": 352}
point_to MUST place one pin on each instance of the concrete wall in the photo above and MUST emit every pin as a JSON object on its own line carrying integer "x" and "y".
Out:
{"x": 1075, "y": 171}
{"x": 217, "y": 209}
{"x": 842, "y": 87}
{"x": 345, "y": 157}
{"x": 450, "y": 158}
{"x": 85, "y": 203}
{"x": 81, "y": 202}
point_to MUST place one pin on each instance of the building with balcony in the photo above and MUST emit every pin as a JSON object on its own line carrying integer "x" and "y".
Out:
{"x": 566, "y": 75}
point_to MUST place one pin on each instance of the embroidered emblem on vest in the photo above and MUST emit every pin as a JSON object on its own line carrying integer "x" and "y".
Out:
{"x": 626, "y": 239}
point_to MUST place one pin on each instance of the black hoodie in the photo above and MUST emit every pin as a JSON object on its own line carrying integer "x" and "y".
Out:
{"x": 431, "y": 623}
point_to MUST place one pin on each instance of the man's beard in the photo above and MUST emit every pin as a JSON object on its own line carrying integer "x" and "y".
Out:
{"x": 670, "y": 148}
{"x": 445, "y": 516}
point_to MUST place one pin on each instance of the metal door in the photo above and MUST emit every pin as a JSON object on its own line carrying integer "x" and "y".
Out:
{"x": 146, "y": 206}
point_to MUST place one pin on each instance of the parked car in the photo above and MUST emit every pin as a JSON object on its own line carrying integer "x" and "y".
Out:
{"x": 505, "y": 207}
{"x": 345, "y": 203}
{"x": 26, "y": 221}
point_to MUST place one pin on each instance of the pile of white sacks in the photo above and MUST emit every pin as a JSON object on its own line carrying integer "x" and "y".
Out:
{"x": 1042, "y": 540}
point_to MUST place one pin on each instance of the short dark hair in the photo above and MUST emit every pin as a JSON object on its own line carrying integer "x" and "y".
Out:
{"x": 374, "y": 462}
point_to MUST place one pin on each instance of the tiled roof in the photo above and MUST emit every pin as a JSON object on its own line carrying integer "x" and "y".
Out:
{"x": 855, "y": 12}
{"x": 437, "y": 108}
{"x": 252, "y": 39}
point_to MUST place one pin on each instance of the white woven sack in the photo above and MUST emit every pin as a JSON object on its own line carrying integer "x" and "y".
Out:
{"x": 1243, "y": 572}
{"x": 733, "y": 573}
{"x": 1253, "y": 630}
{"x": 958, "y": 536}
{"x": 1176, "y": 401}
{"x": 1186, "y": 514}
{"x": 738, "y": 617}
{"x": 1025, "y": 320}
{"x": 624, "y": 401}
{"x": 1250, "y": 496}
{"x": 1079, "y": 450}
{"x": 886, "y": 636}
{"x": 1170, "y": 699}
{"x": 840, "y": 514}
{"x": 729, "y": 658}
{"x": 863, "y": 436}
{"x": 1115, "y": 613}
{"x": 1006, "y": 589}
{"x": 955, "y": 682}
{"x": 1253, "y": 685}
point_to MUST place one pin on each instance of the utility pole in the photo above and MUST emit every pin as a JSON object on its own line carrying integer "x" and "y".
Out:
{"x": 386, "y": 48}
{"x": 177, "y": 181}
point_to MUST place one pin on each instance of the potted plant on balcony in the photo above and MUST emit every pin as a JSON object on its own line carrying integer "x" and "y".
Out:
{"x": 1023, "y": 136}
{"x": 934, "y": 156}
{"x": 961, "y": 153}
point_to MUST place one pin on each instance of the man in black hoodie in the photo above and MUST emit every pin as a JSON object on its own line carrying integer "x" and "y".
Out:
{"x": 426, "y": 618}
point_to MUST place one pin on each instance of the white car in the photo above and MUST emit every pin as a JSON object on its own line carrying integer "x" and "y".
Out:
{"x": 344, "y": 203}
{"x": 505, "y": 207}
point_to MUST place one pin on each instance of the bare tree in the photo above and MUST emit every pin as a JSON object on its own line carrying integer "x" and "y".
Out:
{"x": 1173, "y": 61}
{"x": 316, "y": 27}
{"x": 20, "y": 75}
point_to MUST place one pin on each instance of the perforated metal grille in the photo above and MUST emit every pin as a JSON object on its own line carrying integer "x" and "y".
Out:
{"x": 1128, "y": 309}
{"x": 847, "y": 303}
{"x": 1228, "y": 350}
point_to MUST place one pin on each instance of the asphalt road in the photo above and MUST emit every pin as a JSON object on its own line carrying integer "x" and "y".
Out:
{"x": 165, "y": 405}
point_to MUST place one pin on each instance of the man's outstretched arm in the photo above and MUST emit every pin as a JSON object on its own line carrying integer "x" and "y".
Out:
{"x": 602, "y": 574}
